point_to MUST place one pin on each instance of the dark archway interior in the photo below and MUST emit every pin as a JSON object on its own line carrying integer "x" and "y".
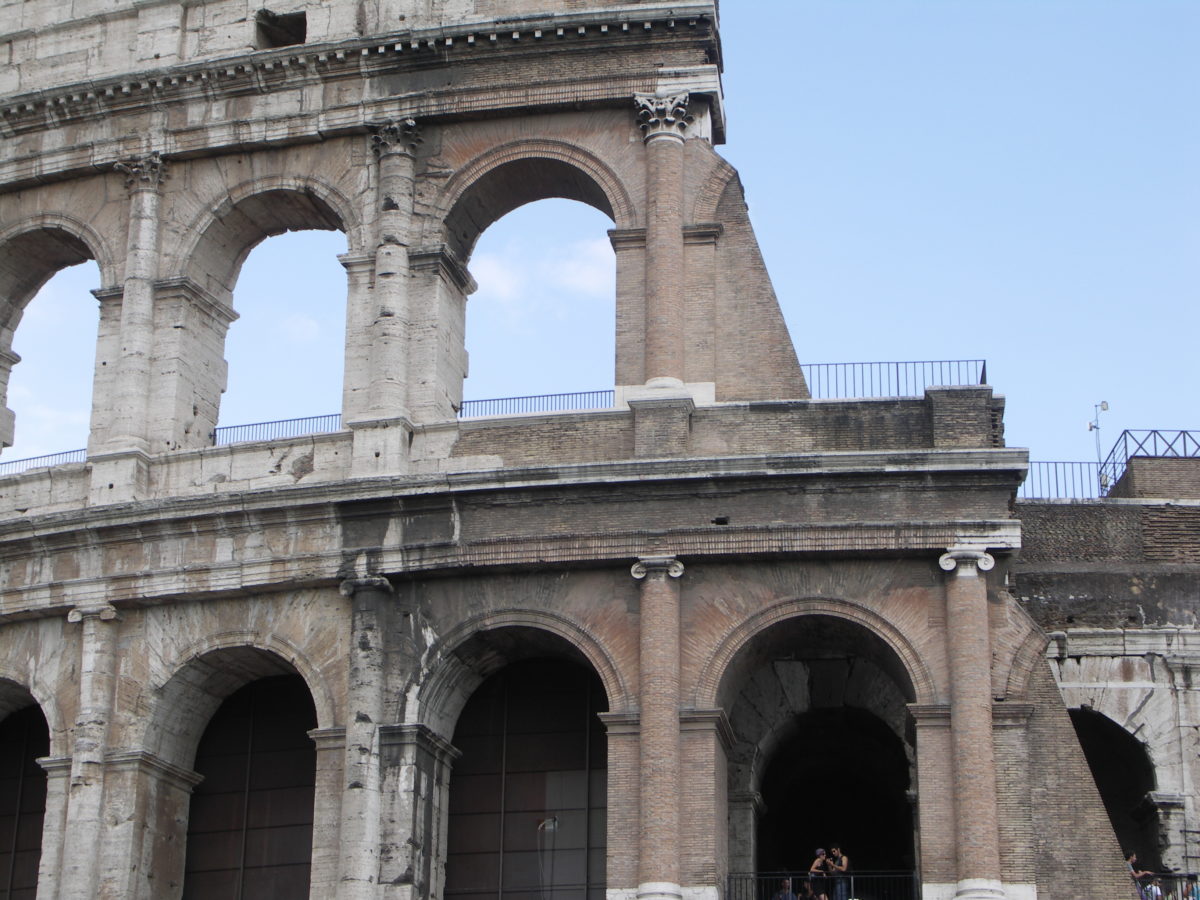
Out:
{"x": 1124, "y": 776}
{"x": 24, "y": 737}
{"x": 250, "y": 820}
{"x": 842, "y": 776}
{"x": 528, "y": 796}
{"x": 514, "y": 184}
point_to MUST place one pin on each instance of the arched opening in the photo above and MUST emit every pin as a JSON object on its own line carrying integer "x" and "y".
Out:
{"x": 47, "y": 364}
{"x": 824, "y": 749}
{"x": 1125, "y": 778}
{"x": 528, "y": 795}
{"x": 543, "y": 318}
{"x": 250, "y": 820}
{"x": 285, "y": 351}
{"x": 24, "y": 737}
{"x": 288, "y": 354}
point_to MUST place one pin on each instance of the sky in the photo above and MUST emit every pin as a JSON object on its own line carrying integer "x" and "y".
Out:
{"x": 1017, "y": 181}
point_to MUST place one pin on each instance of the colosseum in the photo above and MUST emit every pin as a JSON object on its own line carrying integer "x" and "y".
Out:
{"x": 612, "y": 651}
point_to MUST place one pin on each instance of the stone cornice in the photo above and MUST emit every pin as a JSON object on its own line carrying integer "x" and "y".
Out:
{"x": 299, "y": 66}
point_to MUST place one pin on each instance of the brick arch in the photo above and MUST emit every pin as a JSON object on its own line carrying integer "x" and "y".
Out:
{"x": 223, "y": 235}
{"x": 511, "y": 175}
{"x": 209, "y": 671}
{"x": 713, "y": 673}
{"x": 1030, "y": 653}
{"x": 708, "y": 198}
{"x": 450, "y": 682}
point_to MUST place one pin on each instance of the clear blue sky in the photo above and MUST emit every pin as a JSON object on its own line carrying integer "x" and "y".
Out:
{"x": 1016, "y": 180}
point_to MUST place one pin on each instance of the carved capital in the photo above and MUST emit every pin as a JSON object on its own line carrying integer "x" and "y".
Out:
{"x": 105, "y": 612}
{"x": 667, "y": 566}
{"x": 395, "y": 137}
{"x": 351, "y": 586}
{"x": 662, "y": 116}
{"x": 966, "y": 560}
{"x": 143, "y": 172}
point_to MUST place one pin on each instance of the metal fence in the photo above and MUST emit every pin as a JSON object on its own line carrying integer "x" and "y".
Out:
{"x": 277, "y": 430}
{"x": 536, "y": 403}
{"x": 1167, "y": 887}
{"x": 1148, "y": 442}
{"x": 851, "y": 886}
{"x": 15, "y": 466}
{"x": 836, "y": 381}
{"x": 1064, "y": 481}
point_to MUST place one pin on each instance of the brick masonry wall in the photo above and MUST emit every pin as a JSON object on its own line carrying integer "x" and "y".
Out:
{"x": 1160, "y": 477}
{"x": 1076, "y": 854}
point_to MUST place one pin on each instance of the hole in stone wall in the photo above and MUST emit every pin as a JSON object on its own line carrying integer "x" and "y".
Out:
{"x": 286, "y": 349}
{"x": 50, "y": 389}
{"x": 280, "y": 29}
{"x": 543, "y": 319}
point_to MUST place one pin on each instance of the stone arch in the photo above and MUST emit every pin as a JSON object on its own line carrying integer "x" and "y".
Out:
{"x": 511, "y": 175}
{"x": 708, "y": 198}
{"x": 713, "y": 674}
{"x": 450, "y": 682}
{"x": 224, "y": 234}
{"x": 209, "y": 671}
{"x": 17, "y": 692}
{"x": 32, "y": 251}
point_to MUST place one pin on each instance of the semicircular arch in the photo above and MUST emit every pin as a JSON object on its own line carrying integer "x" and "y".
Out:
{"x": 440, "y": 695}
{"x": 708, "y": 198}
{"x": 208, "y": 671}
{"x": 53, "y": 241}
{"x": 716, "y": 667}
{"x": 505, "y": 177}
{"x": 16, "y": 689}
{"x": 222, "y": 235}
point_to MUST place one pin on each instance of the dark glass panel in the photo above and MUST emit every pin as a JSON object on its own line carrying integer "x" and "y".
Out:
{"x": 250, "y": 824}
{"x": 24, "y": 736}
{"x": 527, "y": 796}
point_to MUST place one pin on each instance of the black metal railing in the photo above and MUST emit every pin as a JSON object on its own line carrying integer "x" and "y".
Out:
{"x": 1151, "y": 443}
{"x": 277, "y": 430}
{"x": 1171, "y": 886}
{"x": 1064, "y": 481}
{"x": 15, "y": 466}
{"x": 856, "y": 885}
{"x": 536, "y": 403}
{"x": 844, "y": 381}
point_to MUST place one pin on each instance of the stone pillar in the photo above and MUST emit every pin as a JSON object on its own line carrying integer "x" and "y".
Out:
{"x": 969, "y": 653}
{"x": 327, "y": 804}
{"x": 416, "y": 775}
{"x": 143, "y": 179}
{"x": 97, "y": 682}
{"x": 663, "y": 121}
{"x": 54, "y": 824}
{"x": 8, "y": 418}
{"x": 359, "y": 832}
{"x": 659, "y": 743}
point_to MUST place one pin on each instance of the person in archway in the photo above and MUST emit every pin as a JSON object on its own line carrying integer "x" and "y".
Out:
{"x": 1131, "y": 863}
{"x": 785, "y": 891}
{"x": 839, "y": 865}
{"x": 818, "y": 876}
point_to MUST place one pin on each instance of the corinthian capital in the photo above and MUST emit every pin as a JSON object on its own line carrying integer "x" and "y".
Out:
{"x": 662, "y": 116}
{"x": 144, "y": 171}
{"x": 395, "y": 137}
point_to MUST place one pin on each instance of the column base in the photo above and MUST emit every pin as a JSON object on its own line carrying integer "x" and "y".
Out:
{"x": 979, "y": 889}
{"x": 659, "y": 890}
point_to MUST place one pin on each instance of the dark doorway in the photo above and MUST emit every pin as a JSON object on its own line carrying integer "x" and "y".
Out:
{"x": 842, "y": 776}
{"x": 528, "y": 797}
{"x": 24, "y": 737}
{"x": 250, "y": 824}
{"x": 1125, "y": 777}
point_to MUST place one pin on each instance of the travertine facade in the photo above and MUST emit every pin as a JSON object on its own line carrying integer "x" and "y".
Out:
{"x": 735, "y": 566}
